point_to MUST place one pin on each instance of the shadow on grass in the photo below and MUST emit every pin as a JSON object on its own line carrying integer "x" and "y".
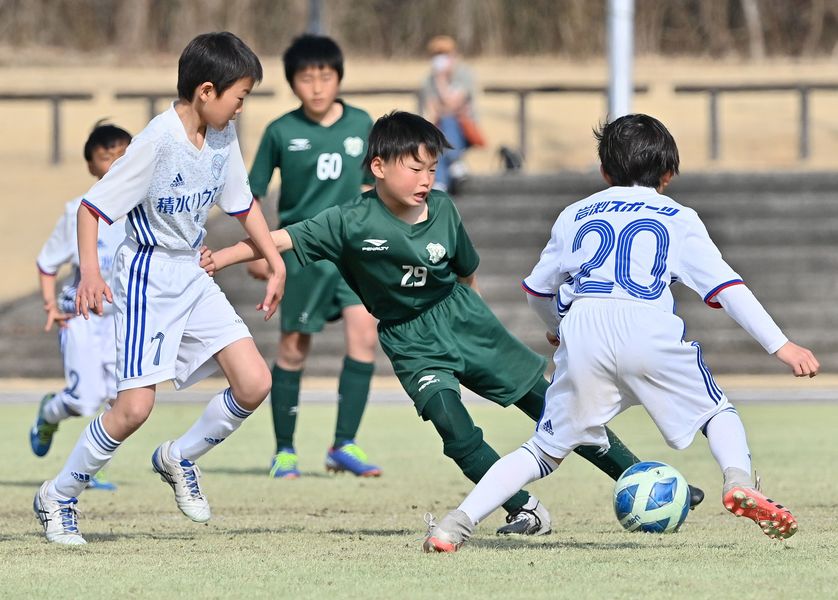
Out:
{"x": 515, "y": 543}
{"x": 372, "y": 532}
{"x": 252, "y": 471}
{"x": 26, "y": 484}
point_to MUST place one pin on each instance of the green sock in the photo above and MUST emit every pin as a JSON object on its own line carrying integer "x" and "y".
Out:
{"x": 285, "y": 396}
{"x": 612, "y": 463}
{"x": 463, "y": 442}
{"x": 353, "y": 391}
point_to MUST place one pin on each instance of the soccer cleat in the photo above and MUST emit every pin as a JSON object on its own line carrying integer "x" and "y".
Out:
{"x": 185, "y": 479}
{"x": 40, "y": 436}
{"x": 349, "y": 457}
{"x": 59, "y": 518}
{"x": 530, "y": 519}
{"x": 285, "y": 464}
{"x": 696, "y": 496}
{"x": 100, "y": 482}
{"x": 449, "y": 534}
{"x": 744, "y": 499}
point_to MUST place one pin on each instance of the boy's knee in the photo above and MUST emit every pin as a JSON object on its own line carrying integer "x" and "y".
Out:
{"x": 463, "y": 444}
{"x": 251, "y": 392}
{"x": 133, "y": 414}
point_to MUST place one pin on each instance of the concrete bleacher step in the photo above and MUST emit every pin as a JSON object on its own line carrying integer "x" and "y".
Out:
{"x": 778, "y": 230}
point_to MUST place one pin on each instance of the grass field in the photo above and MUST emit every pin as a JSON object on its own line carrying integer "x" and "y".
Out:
{"x": 341, "y": 537}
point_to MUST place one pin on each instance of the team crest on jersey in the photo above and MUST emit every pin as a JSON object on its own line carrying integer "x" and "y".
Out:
{"x": 217, "y": 165}
{"x": 299, "y": 144}
{"x": 353, "y": 146}
{"x": 435, "y": 252}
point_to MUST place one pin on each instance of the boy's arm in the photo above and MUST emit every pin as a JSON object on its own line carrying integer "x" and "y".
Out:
{"x": 744, "y": 308}
{"x": 470, "y": 281}
{"x": 246, "y": 250}
{"x": 54, "y": 315}
{"x": 256, "y": 227}
{"x": 91, "y": 286}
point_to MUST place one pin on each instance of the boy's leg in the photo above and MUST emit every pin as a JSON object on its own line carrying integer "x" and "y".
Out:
{"x": 55, "y": 501}
{"x": 175, "y": 461}
{"x": 509, "y": 474}
{"x": 614, "y": 462}
{"x": 285, "y": 398}
{"x": 729, "y": 446}
{"x": 463, "y": 442}
{"x": 353, "y": 392}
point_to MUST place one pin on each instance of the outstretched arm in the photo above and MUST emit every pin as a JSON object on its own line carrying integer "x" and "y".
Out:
{"x": 246, "y": 250}
{"x": 54, "y": 314}
{"x": 743, "y": 307}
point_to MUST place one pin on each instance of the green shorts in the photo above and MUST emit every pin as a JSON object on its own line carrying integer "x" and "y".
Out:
{"x": 460, "y": 341}
{"x": 314, "y": 295}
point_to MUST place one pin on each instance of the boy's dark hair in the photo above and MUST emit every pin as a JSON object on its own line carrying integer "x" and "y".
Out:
{"x": 104, "y": 135}
{"x": 312, "y": 51}
{"x": 220, "y": 58}
{"x": 399, "y": 134}
{"x": 636, "y": 150}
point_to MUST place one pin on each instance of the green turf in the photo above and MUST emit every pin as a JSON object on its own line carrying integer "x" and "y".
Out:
{"x": 342, "y": 537}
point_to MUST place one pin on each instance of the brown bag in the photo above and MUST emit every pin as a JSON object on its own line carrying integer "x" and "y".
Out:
{"x": 471, "y": 131}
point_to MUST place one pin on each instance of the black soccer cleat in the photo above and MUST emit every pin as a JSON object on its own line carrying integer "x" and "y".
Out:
{"x": 696, "y": 496}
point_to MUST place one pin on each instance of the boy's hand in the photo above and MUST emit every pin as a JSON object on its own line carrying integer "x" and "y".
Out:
{"x": 259, "y": 269}
{"x": 207, "y": 261}
{"x": 89, "y": 294}
{"x": 552, "y": 339}
{"x": 274, "y": 291}
{"x": 55, "y": 316}
{"x": 800, "y": 359}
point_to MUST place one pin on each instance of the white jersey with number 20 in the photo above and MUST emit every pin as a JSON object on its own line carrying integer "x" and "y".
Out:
{"x": 629, "y": 243}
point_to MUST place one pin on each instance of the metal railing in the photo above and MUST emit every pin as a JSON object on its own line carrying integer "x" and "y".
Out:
{"x": 56, "y": 100}
{"x": 524, "y": 93}
{"x": 803, "y": 89}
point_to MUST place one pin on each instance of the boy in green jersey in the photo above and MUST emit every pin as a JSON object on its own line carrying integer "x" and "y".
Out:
{"x": 403, "y": 249}
{"x": 318, "y": 149}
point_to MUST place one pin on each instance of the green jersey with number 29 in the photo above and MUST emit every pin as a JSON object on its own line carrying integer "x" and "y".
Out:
{"x": 319, "y": 166}
{"x": 398, "y": 270}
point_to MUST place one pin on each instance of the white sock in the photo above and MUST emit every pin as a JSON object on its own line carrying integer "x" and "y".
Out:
{"x": 222, "y": 417}
{"x": 728, "y": 443}
{"x": 57, "y": 408}
{"x": 503, "y": 480}
{"x": 93, "y": 451}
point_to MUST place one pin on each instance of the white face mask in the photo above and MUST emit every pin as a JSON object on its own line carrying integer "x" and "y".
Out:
{"x": 440, "y": 63}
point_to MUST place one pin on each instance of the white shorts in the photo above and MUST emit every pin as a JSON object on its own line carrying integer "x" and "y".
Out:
{"x": 89, "y": 352}
{"x": 618, "y": 353}
{"x": 171, "y": 317}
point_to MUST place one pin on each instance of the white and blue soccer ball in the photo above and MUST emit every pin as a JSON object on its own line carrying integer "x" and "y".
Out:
{"x": 652, "y": 497}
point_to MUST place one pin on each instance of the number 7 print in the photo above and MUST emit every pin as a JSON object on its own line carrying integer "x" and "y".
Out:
{"x": 158, "y": 336}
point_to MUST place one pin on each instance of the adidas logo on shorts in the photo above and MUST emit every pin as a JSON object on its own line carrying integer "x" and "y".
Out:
{"x": 547, "y": 427}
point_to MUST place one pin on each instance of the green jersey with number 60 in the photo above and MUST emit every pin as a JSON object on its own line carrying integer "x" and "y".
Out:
{"x": 398, "y": 270}
{"x": 319, "y": 166}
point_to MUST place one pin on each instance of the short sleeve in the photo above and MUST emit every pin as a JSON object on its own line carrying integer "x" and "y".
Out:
{"x": 701, "y": 266}
{"x": 266, "y": 160}
{"x": 236, "y": 198}
{"x": 465, "y": 259}
{"x": 548, "y": 273}
{"x": 126, "y": 183}
{"x": 319, "y": 238}
{"x": 58, "y": 249}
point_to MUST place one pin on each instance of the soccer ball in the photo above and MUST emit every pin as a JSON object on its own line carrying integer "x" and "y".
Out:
{"x": 651, "y": 497}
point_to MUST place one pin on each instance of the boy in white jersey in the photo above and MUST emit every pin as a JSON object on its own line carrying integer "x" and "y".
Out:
{"x": 172, "y": 320}
{"x": 87, "y": 346}
{"x": 602, "y": 287}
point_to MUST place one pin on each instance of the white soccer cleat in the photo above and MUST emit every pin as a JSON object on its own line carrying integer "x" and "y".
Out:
{"x": 185, "y": 479}
{"x": 59, "y": 518}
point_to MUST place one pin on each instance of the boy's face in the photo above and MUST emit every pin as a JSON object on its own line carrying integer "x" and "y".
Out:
{"x": 102, "y": 158}
{"x": 218, "y": 110}
{"x": 317, "y": 88}
{"x": 405, "y": 181}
